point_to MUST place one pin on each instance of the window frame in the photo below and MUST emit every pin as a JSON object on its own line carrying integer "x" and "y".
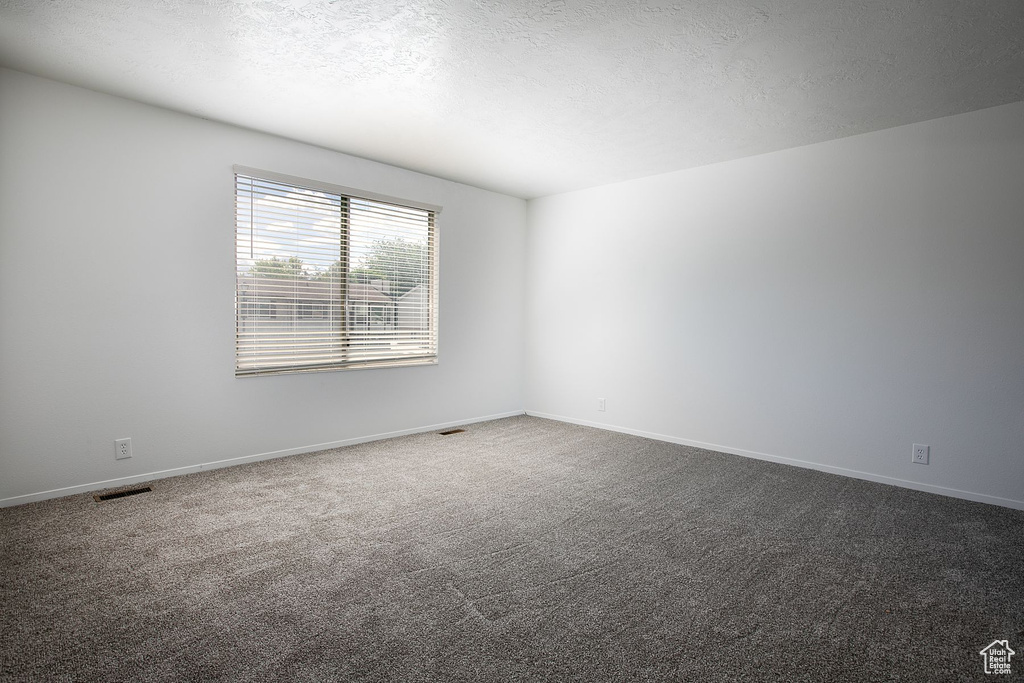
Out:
{"x": 347, "y": 194}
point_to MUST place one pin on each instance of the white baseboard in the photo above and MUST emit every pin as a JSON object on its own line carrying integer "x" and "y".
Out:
{"x": 856, "y": 474}
{"x": 217, "y": 464}
{"x": 806, "y": 464}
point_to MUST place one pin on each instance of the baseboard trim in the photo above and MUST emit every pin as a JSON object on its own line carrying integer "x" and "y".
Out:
{"x": 230, "y": 462}
{"x": 806, "y": 464}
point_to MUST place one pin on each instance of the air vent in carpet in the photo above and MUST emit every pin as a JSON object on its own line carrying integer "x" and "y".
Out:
{"x": 121, "y": 494}
{"x": 451, "y": 431}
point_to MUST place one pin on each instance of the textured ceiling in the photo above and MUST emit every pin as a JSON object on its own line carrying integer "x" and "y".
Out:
{"x": 532, "y": 98}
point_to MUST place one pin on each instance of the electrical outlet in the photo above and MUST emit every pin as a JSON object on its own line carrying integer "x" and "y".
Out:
{"x": 921, "y": 453}
{"x": 601, "y": 404}
{"x": 122, "y": 448}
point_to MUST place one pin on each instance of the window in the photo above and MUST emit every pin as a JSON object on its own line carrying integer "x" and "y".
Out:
{"x": 328, "y": 278}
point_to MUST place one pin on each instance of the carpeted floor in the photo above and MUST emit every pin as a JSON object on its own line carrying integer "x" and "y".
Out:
{"x": 519, "y": 550}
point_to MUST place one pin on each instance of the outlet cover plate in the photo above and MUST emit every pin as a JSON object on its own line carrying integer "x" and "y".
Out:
{"x": 123, "y": 449}
{"x": 920, "y": 454}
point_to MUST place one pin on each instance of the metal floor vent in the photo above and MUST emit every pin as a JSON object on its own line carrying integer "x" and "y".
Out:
{"x": 121, "y": 494}
{"x": 451, "y": 431}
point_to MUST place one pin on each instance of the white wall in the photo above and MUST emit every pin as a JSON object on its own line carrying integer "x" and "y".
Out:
{"x": 116, "y": 297}
{"x": 831, "y": 304}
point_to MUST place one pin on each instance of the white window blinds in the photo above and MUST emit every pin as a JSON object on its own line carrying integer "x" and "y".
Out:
{"x": 330, "y": 278}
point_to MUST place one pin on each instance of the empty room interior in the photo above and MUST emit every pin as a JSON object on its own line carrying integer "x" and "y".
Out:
{"x": 463, "y": 341}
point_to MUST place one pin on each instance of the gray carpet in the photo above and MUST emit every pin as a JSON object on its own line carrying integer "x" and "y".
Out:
{"x": 522, "y": 549}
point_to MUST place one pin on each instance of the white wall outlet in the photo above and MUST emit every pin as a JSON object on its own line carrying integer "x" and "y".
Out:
{"x": 921, "y": 453}
{"x": 601, "y": 404}
{"x": 122, "y": 448}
